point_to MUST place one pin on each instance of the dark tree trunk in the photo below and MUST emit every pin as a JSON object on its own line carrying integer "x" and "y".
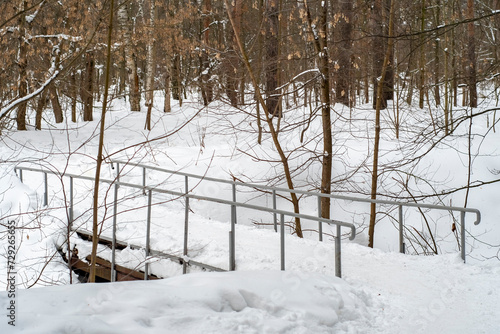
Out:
{"x": 471, "y": 56}
{"x": 344, "y": 54}
{"x": 56, "y": 106}
{"x": 23, "y": 79}
{"x": 378, "y": 47}
{"x": 87, "y": 87}
{"x": 271, "y": 58}
{"x": 206, "y": 85}
{"x": 42, "y": 102}
{"x": 176, "y": 85}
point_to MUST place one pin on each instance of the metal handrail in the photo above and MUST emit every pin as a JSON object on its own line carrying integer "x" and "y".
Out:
{"x": 400, "y": 205}
{"x": 233, "y": 203}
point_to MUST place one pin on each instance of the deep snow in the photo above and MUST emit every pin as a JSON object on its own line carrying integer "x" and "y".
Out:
{"x": 381, "y": 291}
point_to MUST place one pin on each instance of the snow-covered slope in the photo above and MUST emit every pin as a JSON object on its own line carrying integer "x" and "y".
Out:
{"x": 381, "y": 291}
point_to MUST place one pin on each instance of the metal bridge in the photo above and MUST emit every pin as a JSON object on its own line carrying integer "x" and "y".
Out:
{"x": 187, "y": 195}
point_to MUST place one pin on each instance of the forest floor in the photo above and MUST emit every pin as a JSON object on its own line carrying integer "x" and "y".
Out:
{"x": 381, "y": 291}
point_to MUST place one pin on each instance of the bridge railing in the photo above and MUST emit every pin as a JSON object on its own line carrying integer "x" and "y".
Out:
{"x": 187, "y": 195}
{"x": 275, "y": 190}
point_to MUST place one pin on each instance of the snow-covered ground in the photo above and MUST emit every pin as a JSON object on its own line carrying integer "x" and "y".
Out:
{"x": 381, "y": 291}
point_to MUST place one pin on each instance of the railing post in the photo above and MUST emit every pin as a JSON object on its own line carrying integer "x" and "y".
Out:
{"x": 186, "y": 225}
{"x": 232, "y": 233}
{"x": 117, "y": 172}
{"x": 70, "y": 223}
{"x": 233, "y": 212}
{"x": 320, "y": 224}
{"x": 113, "y": 240}
{"x": 462, "y": 233}
{"x": 144, "y": 180}
{"x": 282, "y": 241}
{"x": 46, "y": 190}
{"x": 275, "y": 216}
{"x": 338, "y": 253}
{"x": 148, "y": 231}
{"x": 401, "y": 236}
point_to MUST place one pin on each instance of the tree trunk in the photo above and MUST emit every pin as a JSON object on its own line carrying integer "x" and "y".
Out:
{"x": 72, "y": 93}
{"x": 232, "y": 63}
{"x": 206, "y": 85}
{"x": 150, "y": 65}
{"x": 42, "y": 102}
{"x": 471, "y": 56}
{"x": 379, "y": 94}
{"x": 378, "y": 50}
{"x": 421, "y": 81}
{"x": 95, "y": 226}
{"x": 321, "y": 46}
{"x": 166, "y": 103}
{"x": 23, "y": 64}
{"x": 87, "y": 87}
{"x": 176, "y": 80}
{"x": 271, "y": 58}
{"x": 56, "y": 106}
{"x": 344, "y": 54}
{"x": 437, "y": 50}
{"x": 133, "y": 78}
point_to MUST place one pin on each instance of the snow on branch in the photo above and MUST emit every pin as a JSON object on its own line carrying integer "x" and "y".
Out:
{"x": 297, "y": 76}
{"x": 5, "y": 111}
{"x": 59, "y": 37}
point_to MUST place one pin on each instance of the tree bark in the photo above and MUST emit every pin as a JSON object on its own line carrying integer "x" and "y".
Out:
{"x": 133, "y": 78}
{"x": 166, "y": 103}
{"x": 321, "y": 46}
{"x": 72, "y": 93}
{"x": 42, "y": 102}
{"x": 206, "y": 85}
{"x": 150, "y": 65}
{"x": 421, "y": 81}
{"x": 23, "y": 64}
{"x": 95, "y": 225}
{"x": 344, "y": 54}
{"x": 271, "y": 58}
{"x": 471, "y": 56}
{"x": 378, "y": 50}
{"x": 379, "y": 95}
{"x": 56, "y": 106}
{"x": 87, "y": 88}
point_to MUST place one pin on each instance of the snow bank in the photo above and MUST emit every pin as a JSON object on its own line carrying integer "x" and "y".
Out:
{"x": 230, "y": 302}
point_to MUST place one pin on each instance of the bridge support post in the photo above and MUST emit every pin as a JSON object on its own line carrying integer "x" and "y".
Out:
{"x": 275, "y": 218}
{"x": 186, "y": 225}
{"x": 462, "y": 233}
{"x": 113, "y": 240}
{"x": 70, "y": 223}
{"x": 282, "y": 241}
{"x": 338, "y": 253}
{"x": 148, "y": 231}
{"x": 46, "y": 190}
{"x": 320, "y": 224}
{"x": 401, "y": 235}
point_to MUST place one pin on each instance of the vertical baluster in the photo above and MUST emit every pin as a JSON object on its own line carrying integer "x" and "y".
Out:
{"x": 148, "y": 231}
{"x": 401, "y": 226}
{"x": 282, "y": 241}
{"x": 186, "y": 225}
{"x": 46, "y": 190}
{"x": 338, "y": 253}
{"x": 275, "y": 216}
{"x": 320, "y": 224}
{"x": 462, "y": 233}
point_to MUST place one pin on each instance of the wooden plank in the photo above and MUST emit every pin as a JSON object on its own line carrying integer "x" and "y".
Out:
{"x": 124, "y": 272}
{"x": 122, "y": 245}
